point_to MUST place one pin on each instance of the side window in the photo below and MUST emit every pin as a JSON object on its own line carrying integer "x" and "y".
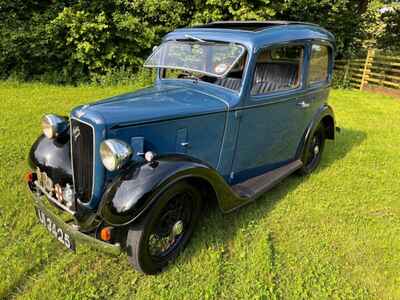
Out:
{"x": 277, "y": 69}
{"x": 319, "y": 64}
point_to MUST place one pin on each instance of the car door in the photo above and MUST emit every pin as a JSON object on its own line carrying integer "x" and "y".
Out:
{"x": 275, "y": 114}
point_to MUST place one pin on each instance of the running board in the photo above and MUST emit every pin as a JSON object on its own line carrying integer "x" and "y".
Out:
{"x": 254, "y": 187}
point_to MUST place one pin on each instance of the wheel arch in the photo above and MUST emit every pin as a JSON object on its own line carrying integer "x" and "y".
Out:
{"x": 206, "y": 189}
{"x": 324, "y": 116}
{"x": 329, "y": 125}
{"x": 131, "y": 194}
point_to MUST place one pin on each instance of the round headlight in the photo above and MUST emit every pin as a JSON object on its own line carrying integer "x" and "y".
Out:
{"x": 53, "y": 125}
{"x": 114, "y": 154}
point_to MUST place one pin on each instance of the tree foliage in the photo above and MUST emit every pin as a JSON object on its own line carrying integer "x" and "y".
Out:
{"x": 389, "y": 39}
{"x": 69, "y": 41}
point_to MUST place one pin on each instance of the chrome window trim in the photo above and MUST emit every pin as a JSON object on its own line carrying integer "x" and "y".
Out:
{"x": 72, "y": 159}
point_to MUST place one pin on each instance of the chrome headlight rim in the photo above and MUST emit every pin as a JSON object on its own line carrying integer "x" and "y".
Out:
{"x": 115, "y": 154}
{"x": 53, "y": 125}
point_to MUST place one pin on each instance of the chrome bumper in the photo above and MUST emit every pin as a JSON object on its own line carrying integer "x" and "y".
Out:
{"x": 79, "y": 237}
{"x": 54, "y": 200}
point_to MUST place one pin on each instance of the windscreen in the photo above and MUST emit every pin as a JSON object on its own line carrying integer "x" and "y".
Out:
{"x": 210, "y": 58}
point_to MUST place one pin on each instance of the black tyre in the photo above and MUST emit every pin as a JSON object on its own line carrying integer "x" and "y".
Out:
{"x": 313, "y": 151}
{"x": 165, "y": 230}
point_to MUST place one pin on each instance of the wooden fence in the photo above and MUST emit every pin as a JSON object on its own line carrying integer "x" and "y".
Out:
{"x": 375, "y": 69}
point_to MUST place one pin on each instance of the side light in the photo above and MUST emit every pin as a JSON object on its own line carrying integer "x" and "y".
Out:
{"x": 149, "y": 156}
{"x": 105, "y": 234}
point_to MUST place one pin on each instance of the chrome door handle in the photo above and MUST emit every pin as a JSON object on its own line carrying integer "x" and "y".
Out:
{"x": 303, "y": 104}
{"x": 185, "y": 144}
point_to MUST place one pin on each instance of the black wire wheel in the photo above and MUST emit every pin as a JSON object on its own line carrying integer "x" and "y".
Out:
{"x": 313, "y": 151}
{"x": 165, "y": 230}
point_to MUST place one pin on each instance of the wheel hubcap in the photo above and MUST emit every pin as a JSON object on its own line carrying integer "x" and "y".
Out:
{"x": 177, "y": 229}
{"x": 170, "y": 228}
{"x": 316, "y": 149}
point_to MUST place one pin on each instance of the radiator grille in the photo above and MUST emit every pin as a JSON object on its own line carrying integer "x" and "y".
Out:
{"x": 82, "y": 159}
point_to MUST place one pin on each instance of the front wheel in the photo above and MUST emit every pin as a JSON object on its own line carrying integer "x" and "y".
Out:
{"x": 313, "y": 151}
{"x": 166, "y": 229}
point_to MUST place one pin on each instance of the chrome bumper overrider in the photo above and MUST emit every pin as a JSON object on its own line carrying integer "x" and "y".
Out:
{"x": 79, "y": 237}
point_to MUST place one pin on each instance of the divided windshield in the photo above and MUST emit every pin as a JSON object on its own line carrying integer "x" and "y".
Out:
{"x": 210, "y": 58}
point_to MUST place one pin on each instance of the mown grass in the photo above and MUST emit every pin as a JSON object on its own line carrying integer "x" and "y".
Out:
{"x": 334, "y": 234}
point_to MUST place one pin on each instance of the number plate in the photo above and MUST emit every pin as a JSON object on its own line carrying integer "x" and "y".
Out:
{"x": 55, "y": 230}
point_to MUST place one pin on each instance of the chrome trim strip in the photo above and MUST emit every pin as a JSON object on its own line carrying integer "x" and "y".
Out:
{"x": 94, "y": 156}
{"x": 52, "y": 199}
{"x": 72, "y": 160}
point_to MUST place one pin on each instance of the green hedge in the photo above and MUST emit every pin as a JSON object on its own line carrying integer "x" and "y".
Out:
{"x": 78, "y": 41}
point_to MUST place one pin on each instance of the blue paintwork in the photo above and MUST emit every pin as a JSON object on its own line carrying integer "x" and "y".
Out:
{"x": 238, "y": 135}
{"x": 156, "y": 103}
{"x": 98, "y": 123}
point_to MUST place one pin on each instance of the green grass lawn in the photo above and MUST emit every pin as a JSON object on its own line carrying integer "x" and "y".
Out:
{"x": 335, "y": 234}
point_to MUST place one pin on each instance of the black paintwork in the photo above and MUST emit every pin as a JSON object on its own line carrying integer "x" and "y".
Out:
{"x": 53, "y": 157}
{"x": 135, "y": 189}
{"x": 326, "y": 116}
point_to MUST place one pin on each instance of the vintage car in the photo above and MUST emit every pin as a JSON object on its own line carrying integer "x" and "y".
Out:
{"x": 235, "y": 108}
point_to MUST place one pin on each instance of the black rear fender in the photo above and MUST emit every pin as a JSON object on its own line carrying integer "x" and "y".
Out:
{"x": 325, "y": 117}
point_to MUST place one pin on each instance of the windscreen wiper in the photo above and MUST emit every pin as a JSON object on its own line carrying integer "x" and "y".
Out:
{"x": 191, "y": 37}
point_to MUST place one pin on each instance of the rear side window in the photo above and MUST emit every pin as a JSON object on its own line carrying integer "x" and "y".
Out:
{"x": 278, "y": 69}
{"x": 319, "y": 64}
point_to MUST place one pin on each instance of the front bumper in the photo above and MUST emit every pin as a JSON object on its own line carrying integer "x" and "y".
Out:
{"x": 79, "y": 237}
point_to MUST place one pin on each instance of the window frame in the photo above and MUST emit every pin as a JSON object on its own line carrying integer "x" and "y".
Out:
{"x": 247, "y": 54}
{"x": 288, "y": 91}
{"x": 329, "y": 70}
{"x": 222, "y": 75}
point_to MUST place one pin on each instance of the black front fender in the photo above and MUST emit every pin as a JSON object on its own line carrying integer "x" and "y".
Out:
{"x": 52, "y": 156}
{"x": 131, "y": 193}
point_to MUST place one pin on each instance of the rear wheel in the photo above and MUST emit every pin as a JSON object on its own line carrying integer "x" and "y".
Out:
{"x": 313, "y": 151}
{"x": 166, "y": 229}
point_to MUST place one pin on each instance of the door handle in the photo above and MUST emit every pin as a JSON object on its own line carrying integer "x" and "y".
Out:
{"x": 303, "y": 104}
{"x": 185, "y": 144}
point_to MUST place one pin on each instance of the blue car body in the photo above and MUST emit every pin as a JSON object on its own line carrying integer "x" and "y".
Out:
{"x": 219, "y": 136}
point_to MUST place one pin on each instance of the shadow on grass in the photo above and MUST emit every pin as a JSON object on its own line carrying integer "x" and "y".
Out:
{"x": 221, "y": 228}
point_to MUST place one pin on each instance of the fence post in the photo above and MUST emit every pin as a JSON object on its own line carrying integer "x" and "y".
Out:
{"x": 346, "y": 72}
{"x": 367, "y": 67}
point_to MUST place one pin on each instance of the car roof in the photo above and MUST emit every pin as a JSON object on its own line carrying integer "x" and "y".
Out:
{"x": 254, "y": 34}
{"x": 249, "y": 25}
